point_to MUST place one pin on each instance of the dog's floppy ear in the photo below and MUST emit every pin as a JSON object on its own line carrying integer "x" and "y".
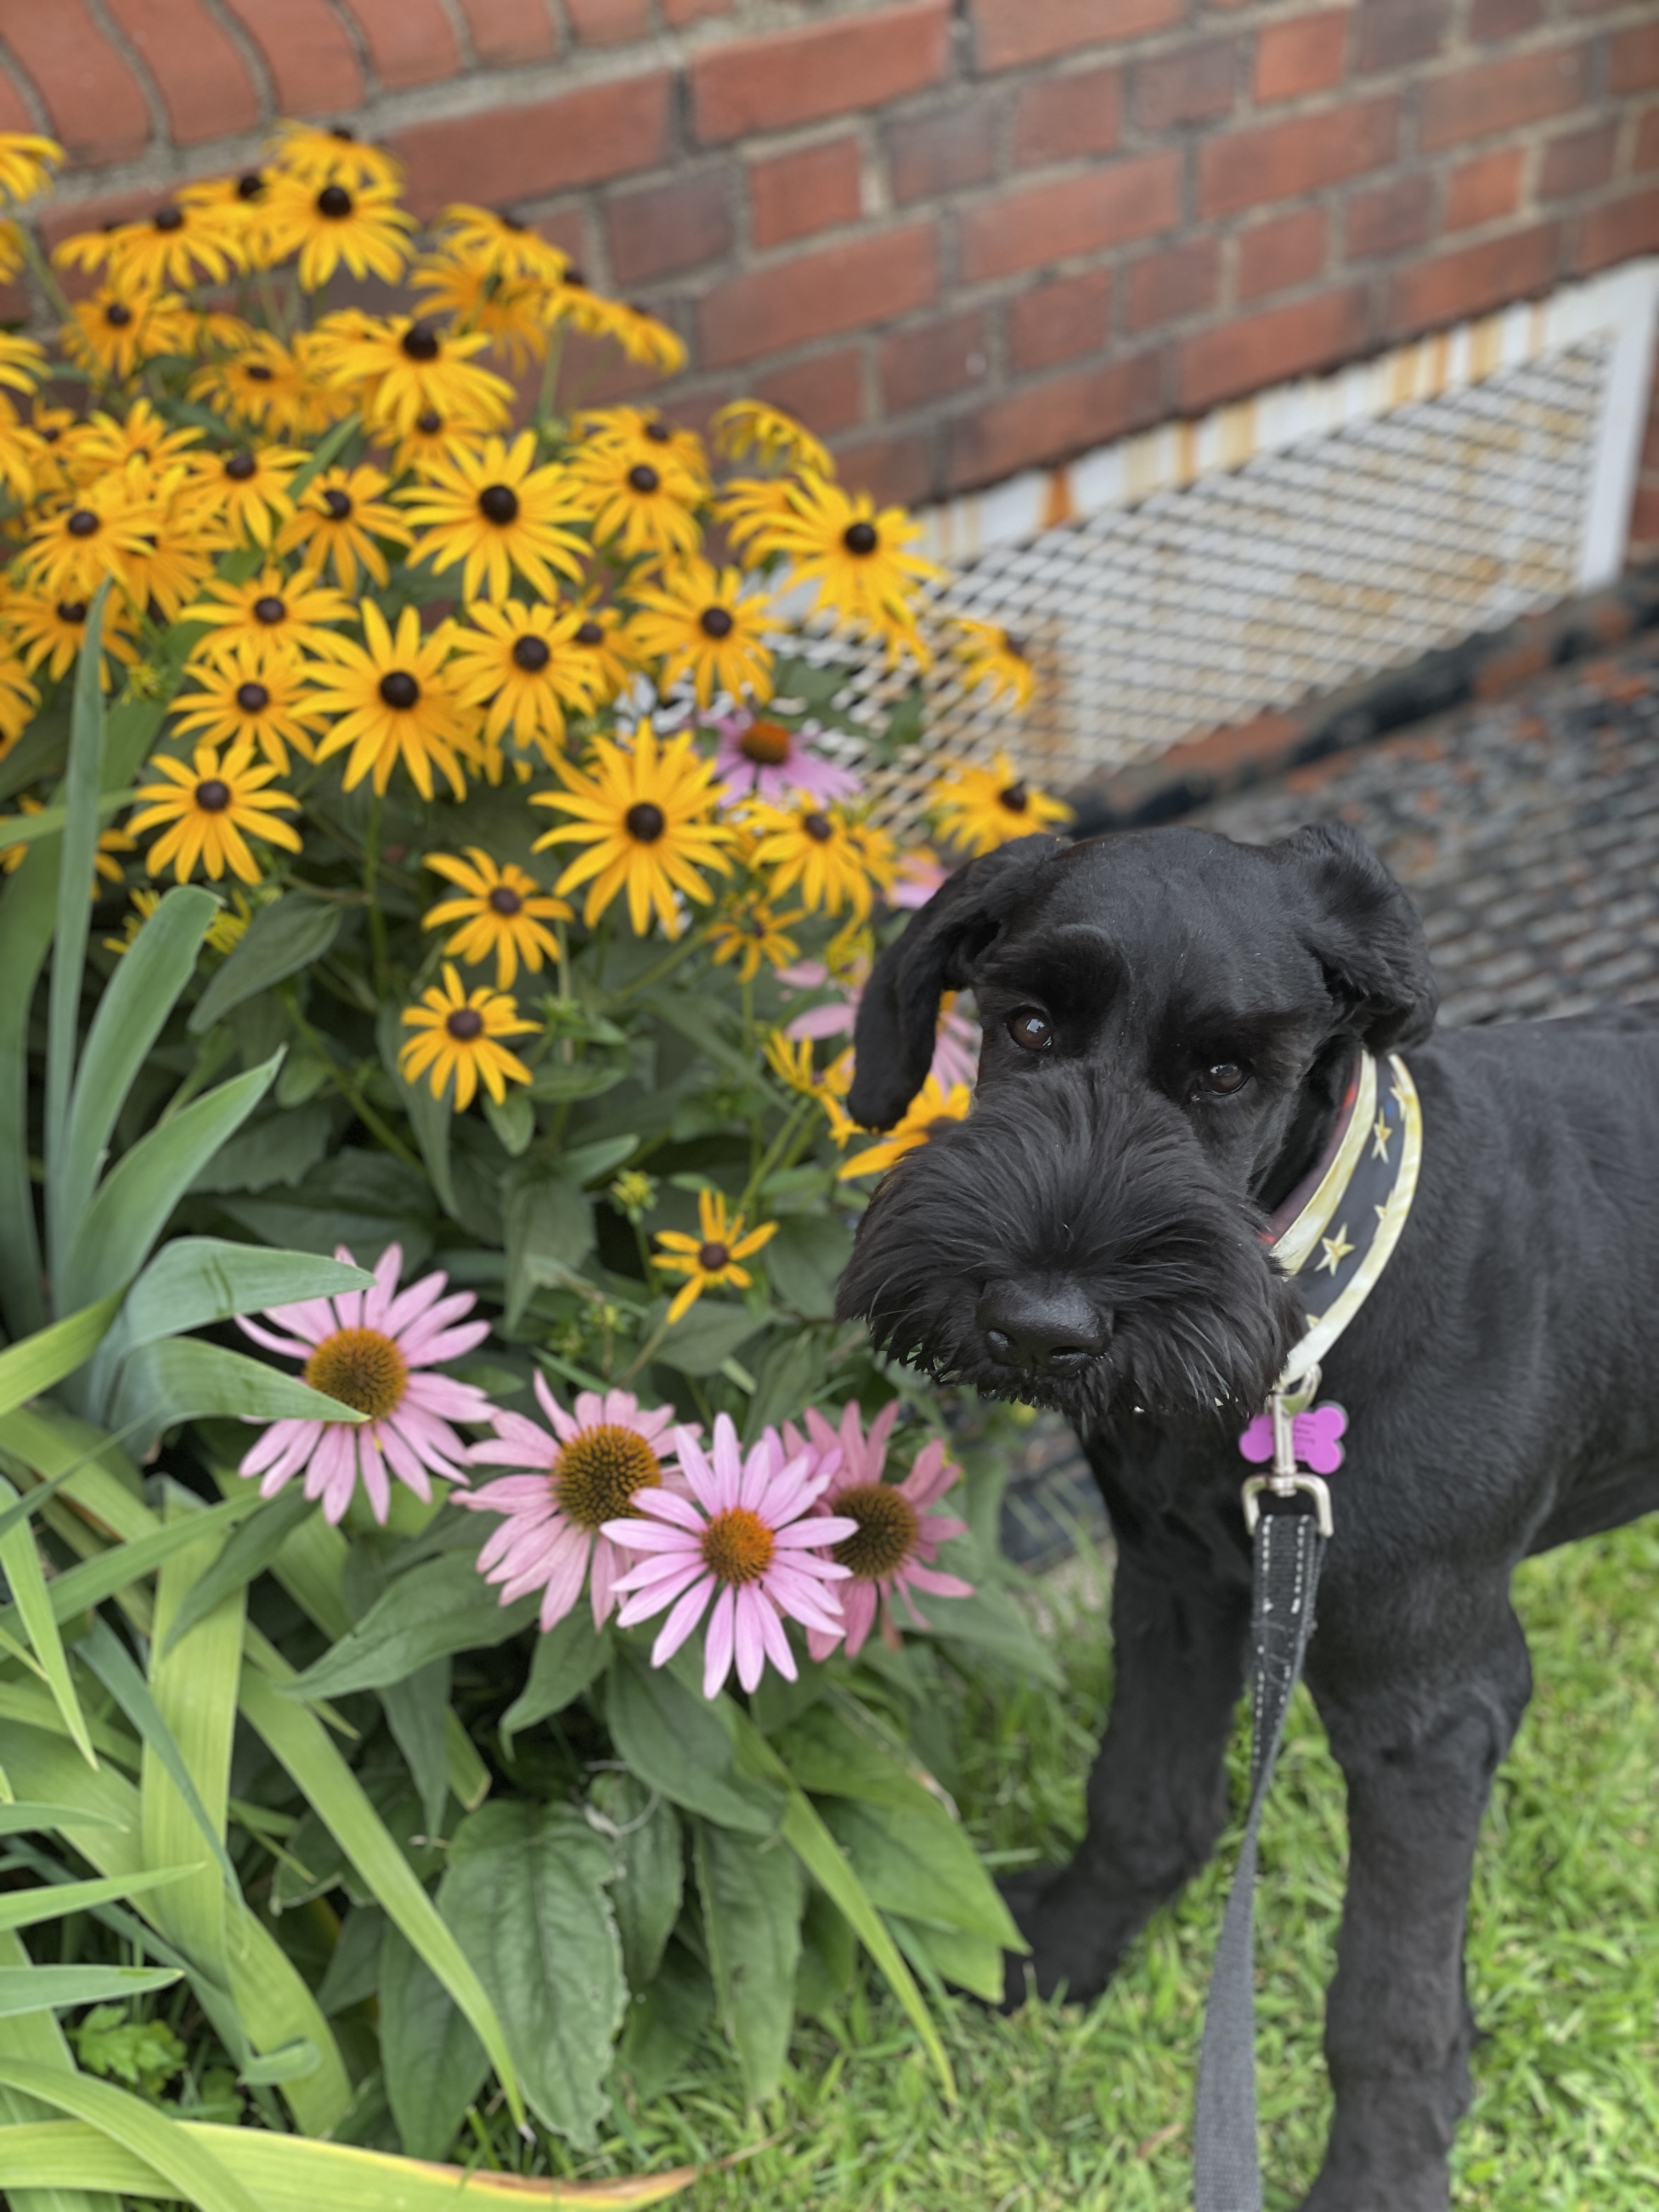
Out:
{"x": 1364, "y": 933}
{"x": 899, "y": 1012}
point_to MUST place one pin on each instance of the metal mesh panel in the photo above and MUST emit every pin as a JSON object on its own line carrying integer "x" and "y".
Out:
{"x": 1250, "y": 589}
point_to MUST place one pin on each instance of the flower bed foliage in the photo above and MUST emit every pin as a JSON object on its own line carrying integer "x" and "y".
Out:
{"x": 439, "y": 1104}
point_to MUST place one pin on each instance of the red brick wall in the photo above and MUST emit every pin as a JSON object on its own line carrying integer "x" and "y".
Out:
{"x": 959, "y": 236}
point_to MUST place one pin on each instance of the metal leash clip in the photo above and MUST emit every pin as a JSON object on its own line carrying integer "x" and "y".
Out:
{"x": 1287, "y": 1478}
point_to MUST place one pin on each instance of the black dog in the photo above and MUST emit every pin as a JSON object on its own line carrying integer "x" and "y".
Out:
{"x": 1170, "y": 1020}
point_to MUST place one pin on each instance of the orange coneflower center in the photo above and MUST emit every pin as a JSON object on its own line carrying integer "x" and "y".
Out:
{"x": 1016, "y": 798}
{"x": 645, "y": 822}
{"x": 739, "y": 1546}
{"x": 887, "y": 1531}
{"x": 464, "y": 1025}
{"x": 598, "y": 1471}
{"x": 530, "y": 654}
{"x": 503, "y": 899}
{"x": 362, "y": 1368}
{"x": 712, "y": 1257}
{"x": 860, "y": 538}
{"x": 498, "y": 503}
{"x": 213, "y": 795}
{"x": 768, "y": 745}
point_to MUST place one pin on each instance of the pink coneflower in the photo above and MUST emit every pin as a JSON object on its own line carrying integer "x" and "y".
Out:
{"x": 956, "y": 1047}
{"x": 920, "y": 875}
{"x": 761, "y": 759}
{"x": 587, "y": 1472}
{"x": 371, "y": 1349}
{"x": 894, "y": 1537}
{"x": 744, "y": 1538}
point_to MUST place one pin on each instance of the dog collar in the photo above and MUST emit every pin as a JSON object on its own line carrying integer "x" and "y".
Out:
{"x": 1336, "y": 1237}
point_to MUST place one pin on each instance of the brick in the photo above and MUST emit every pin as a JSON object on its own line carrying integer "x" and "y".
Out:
{"x": 1475, "y": 103}
{"x": 92, "y": 101}
{"x": 1282, "y": 160}
{"x": 840, "y": 288}
{"x": 311, "y": 64}
{"x": 1050, "y": 421}
{"x": 796, "y": 194}
{"x": 940, "y": 153}
{"x": 1634, "y": 59}
{"x": 1646, "y": 156}
{"x": 663, "y": 229}
{"x": 826, "y": 393}
{"x": 852, "y": 62}
{"x": 679, "y": 15}
{"x": 14, "y": 115}
{"x": 1644, "y": 523}
{"x": 608, "y": 23}
{"x": 1176, "y": 282}
{"x": 410, "y": 41}
{"x": 193, "y": 62}
{"x": 1392, "y": 34}
{"x": 1195, "y": 84}
{"x": 608, "y": 129}
{"x": 1285, "y": 250}
{"x": 1062, "y": 119}
{"x": 1081, "y": 215}
{"x": 1390, "y": 219}
{"x": 1249, "y": 352}
{"x": 507, "y": 31}
{"x": 1303, "y": 56}
{"x": 1469, "y": 282}
{"x": 1483, "y": 191}
{"x": 1618, "y": 230}
{"x": 1578, "y": 162}
{"x": 1491, "y": 21}
{"x": 1009, "y": 32}
{"x": 932, "y": 360}
{"x": 1053, "y": 323}
{"x": 894, "y": 471}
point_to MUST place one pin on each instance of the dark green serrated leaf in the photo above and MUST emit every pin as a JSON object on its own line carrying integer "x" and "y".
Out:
{"x": 706, "y": 1338}
{"x": 571, "y": 1655}
{"x": 665, "y": 2025}
{"x": 805, "y": 1260}
{"x": 751, "y": 1894}
{"x": 677, "y": 1744}
{"x": 915, "y": 1860}
{"x": 277, "y": 943}
{"x": 443, "y": 1605}
{"x": 434, "y": 2064}
{"x": 651, "y": 1869}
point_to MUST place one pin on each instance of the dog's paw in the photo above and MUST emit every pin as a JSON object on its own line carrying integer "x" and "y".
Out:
{"x": 1075, "y": 1940}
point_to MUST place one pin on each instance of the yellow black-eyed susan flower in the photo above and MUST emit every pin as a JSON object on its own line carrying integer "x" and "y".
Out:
{"x": 205, "y": 807}
{"x": 339, "y": 524}
{"x": 394, "y": 702}
{"x": 19, "y": 701}
{"x": 978, "y": 809}
{"x": 858, "y": 557}
{"x": 399, "y": 368}
{"x": 510, "y": 310}
{"x": 257, "y": 384}
{"x": 334, "y": 155}
{"x": 639, "y": 507}
{"x": 458, "y": 1038}
{"x": 50, "y": 632}
{"x": 255, "y": 693}
{"x": 491, "y": 508}
{"x": 995, "y": 658}
{"x": 646, "y": 816}
{"x": 177, "y": 246}
{"x": 644, "y": 339}
{"x": 358, "y": 226}
{"x": 106, "y": 442}
{"x": 752, "y": 935}
{"x": 499, "y": 244}
{"x": 247, "y": 488}
{"x": 700, "y": 624}
{"x": 521, "y": 663}
{"x": 932, "y": 1104}
{"x": 501, "y": 913}
{"x": 26, "y": 164}
{"x": 813, "y": 850}
{"x": 605, "y": 651}
{"x": 713, "y": 1256}
{"x": 101, "y": 532}
{"x": 644, "y": 434}
{"x": 120, "y": 328}
{"x": 776, "y": 440}
{"x": 291, "y": 613}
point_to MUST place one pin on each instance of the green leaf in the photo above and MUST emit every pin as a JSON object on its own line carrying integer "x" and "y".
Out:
{"x": 250, "y": 1550}
{"x": 550, "y": 1233}
{"x": 915, "y": 1860}
{"x": 443, "y": 1606}
{"x": 417, "y": 1706}
{"x": 176, "y": 2155}
{"x": 109, "y": 1659}
{"x": 804, "y": 1262}
{"x": 789, "y": 1374}
{"x": 564, "y": 1661}
{"x": 137, "y": 1001}
{"x": 751, "y": 1894}
{"x": 830, "y": 1755}
{"x": 525, "y": 1893}
{"x": 991, "y": 1622}
{"x": 28, "y": 1908}
{"x": 278, "y": 1148}
{"x": 665, "y": 2024}
{"x": 973, "y": 1963}
{"x": 277, "y": 943}
{"x": 707, "y": 1336}
{"x": 50, "y": 1354}
{"x": 359, "y": 1199}
{"x": 25, "y": 828}
{"x": 434, "y": 2064}
{"x": 430, "y": 1118}
{"x": 112, "y": 1238}
{"x": 650, "y": 1868}
{"x": 587, "y": 1163}
{"x": 513, "y": 1120}
{"x": 48, "y": 1989}
{"x": 20, "y": 1563}
{"x": 679, "y": 1744}
{"x": 18, "y": 1819}
{"x": 195, "y": 1281}
{"x": 185, "y": 1379}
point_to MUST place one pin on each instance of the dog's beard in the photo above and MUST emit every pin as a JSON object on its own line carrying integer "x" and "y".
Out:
{"x": 1112, "y": 1197}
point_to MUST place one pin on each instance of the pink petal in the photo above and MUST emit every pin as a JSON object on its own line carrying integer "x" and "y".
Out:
{"x": 858, "y": 1606}
{"x": 750, "y": 1641}
{"x": 774, "y": 1636}
{"x": 378, "y": 1300}
{"x": 664, "y": 1504}
{"x": 727, "y": 1462}
{"x": 275, "y": 1440}
{"x": 650, "y": 1536}
{"x": 372, "y": 1468}
{"x": 681, "y": 1622}
{"x": 696, "y": 1469}
{"x": 934, "y": 1579}
{"x": 432, "y": 1351}
{"x": 717, "y": 1648}
{"x": 409, "y": 1304}
{"x": 608, "y": 1563}
{"x": 312, "y": 1318}
{"x": 291, "y": 1347}
{"x": 643, "y": 1603}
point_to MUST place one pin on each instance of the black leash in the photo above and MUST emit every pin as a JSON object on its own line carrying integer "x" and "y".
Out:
{"x": 1290, "y": 1535}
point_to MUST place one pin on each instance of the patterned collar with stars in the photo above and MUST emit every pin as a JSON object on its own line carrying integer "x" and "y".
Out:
{"x": 1345, "y": 1215}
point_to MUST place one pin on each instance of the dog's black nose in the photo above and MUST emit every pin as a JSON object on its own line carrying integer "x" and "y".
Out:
{"x": 1050, "y": 1329}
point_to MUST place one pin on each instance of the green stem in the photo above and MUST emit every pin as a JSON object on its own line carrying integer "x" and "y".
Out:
{"x": 647, "y": 1352}
{"x": 774, "y": 1152}
{"x": 655, "y": 975}
{"x": 376, "y": 918}
{"x": 350, "y": 1091}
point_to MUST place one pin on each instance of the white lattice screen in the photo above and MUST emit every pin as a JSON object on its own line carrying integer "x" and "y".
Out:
{"x": 1313, "y": 534}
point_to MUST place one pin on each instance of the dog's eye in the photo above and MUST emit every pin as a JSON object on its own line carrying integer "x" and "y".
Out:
{"x": 1030, "y": 1029}
{"x": 1222, "y": 1079}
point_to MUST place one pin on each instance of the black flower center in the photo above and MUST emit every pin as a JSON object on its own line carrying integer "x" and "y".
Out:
{"x": 169, "y": 218}
{"x": 818, "y": 827}
{"x": 338, "y": 504}
{"x": 253, "y": 698}
{"x": 531, "y": 652}
{"x": 1016, "y": 798}
{"x": 658, "y": 433}
{"x": 117, "y": 316}
{"x": 498, "y": 503}
{"x": 428, "y": 421}
{"x": 715, "y": 622}
{"x": 711, "y": 1258}
{"x": 464, "y": 1025}
{"x": 269, "y": 610}
{"x": 643, "y": 477}
{"x": 400, "y": 688}
{"x": 252, "y": 186}
{"x": 335, "y": 202}
{"x": 71, "y": 610}
{"x": 82, "y": 523}
{"x": 240, "y": 466}
{"x": 505, "y": 900}
{"x": 420, "y": 341}
{"x": 213, "y": 795}
{"x": 860, "y": 538}
{"x": 645, "y": 822}
{"x": 1014, "y": 645}
{"x": 591, "y": 634}
{"x": 256, "y": 372}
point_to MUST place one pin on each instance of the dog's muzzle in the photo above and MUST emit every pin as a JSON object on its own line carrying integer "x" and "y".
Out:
{"x": 1047, "y": 1329}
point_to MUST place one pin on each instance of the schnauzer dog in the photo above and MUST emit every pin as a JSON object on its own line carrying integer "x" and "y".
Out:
{"x": 1171, "y": 1020}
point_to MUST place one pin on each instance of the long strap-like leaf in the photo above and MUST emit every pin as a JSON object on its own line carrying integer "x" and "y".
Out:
{"x": 194, "y": 2170}
{"x": 22, "y": 1562}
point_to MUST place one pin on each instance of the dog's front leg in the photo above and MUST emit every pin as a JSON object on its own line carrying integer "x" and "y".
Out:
{"x": 1157, "y": 1793}
{"x": 1418, "y": 1741}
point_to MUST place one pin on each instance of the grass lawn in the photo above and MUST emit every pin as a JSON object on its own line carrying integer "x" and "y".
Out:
{"x": 1064, "y": 2107}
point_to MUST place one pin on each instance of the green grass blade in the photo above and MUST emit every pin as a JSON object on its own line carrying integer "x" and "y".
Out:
{"x": 28, "y": 1368}
{"x": 33, "y": 1601}
{"x": 28, "y": 1908}
{"x": 36, "y": 2035}
{"x": 34, "y": 1819}
{"x": 338, "y": 1800}
{"x": 28, "y": 829}
{"x": 111, "y": 1662}
{"x": 49, "y": 1989}
{"x": 180, "y": 2158}
{"x": 246, "y": 1555}
{"x": 27, "y": 906}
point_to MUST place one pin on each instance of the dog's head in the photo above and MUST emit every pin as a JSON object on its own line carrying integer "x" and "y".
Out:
{"x": 1168, "y": 1020}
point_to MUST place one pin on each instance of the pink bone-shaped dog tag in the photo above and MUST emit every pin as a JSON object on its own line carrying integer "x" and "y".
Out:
{"x": 1316, "y": 1435}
